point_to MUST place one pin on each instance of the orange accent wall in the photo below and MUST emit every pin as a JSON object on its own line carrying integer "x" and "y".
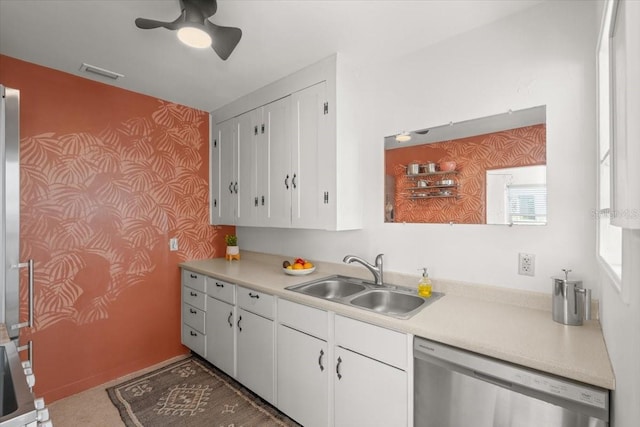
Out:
{"x": 525, "y": 146}
{"x": 107, "y": 177}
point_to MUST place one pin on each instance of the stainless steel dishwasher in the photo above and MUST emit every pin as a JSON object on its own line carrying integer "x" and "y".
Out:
{"x": 456, "y": 388}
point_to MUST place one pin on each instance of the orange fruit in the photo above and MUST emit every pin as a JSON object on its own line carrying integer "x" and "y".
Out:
{"x": 297, "y": 266}
{"x": 308, "y": 265}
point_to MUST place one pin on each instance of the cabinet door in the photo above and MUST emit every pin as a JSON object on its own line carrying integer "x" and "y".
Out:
{"x": 247, "y": 191}
{"x": 261, "y": 142}
{"x": 308, "y": 151}
{"x": 220, "y": 322}
{"x": 277, "y": 130}
{"x": 303, "y": 377}
{"x": 368, "y": 392}
{"x": 215, "y": 174}
{"x": 228, "y": 131}
{"x": 255, "y": 359}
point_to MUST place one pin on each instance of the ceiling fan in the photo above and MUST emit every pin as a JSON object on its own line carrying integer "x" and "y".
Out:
{"x": 195, "y": 29}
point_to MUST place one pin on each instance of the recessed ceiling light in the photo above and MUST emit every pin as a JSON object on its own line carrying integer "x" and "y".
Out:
{"x": 403, "y": 136}
{"x": 194, "y": 37}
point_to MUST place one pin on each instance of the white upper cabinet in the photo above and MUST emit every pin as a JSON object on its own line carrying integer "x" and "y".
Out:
{"x": 311, "y": 163}
{"x": 296, "y": 163}
{"x": 224, "y": 175}
{"x": 278, "y": 158}
{"x": 247, "y": 213}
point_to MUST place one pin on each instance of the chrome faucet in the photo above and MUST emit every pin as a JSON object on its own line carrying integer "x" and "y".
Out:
{"x": 376, "y": 270}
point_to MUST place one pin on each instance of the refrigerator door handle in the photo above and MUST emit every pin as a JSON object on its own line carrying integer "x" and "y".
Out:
{"x": 29, "y": 323}
{"x": 28, "y": 346}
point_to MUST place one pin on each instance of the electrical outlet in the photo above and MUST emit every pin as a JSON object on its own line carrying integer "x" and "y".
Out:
{"x": 526, "y": 264}
{"x": 173, "y": 244}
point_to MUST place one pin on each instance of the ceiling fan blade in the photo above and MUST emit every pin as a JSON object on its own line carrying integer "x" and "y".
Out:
{"x": 148, "y": 24}
{"x": 224, "y": 39}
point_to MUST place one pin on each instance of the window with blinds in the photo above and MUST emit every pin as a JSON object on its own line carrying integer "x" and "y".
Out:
{"x": 527, "y": 204}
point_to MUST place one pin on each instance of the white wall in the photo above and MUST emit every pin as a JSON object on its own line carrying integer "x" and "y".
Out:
{"x": 621, "y": 327}
{"x": 545, "y": 56}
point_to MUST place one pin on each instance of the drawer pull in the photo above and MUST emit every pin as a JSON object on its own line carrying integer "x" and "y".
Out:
{"x": 338, "y": 368}
{"x": 192, "y": 311}
{"x": 239, "y": 320}
{"x": 220, "y": 285}
{"x": 193, "y": 294}
{"x": 193, "y": 276}
{"x": 252, "y": 295}
{"x": 320, "y": 360}
{"x": 229, "y": 319}
{"x": 193, "y": 334}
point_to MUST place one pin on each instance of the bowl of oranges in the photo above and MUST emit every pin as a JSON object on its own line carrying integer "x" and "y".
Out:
{"x": 299, "y": 267}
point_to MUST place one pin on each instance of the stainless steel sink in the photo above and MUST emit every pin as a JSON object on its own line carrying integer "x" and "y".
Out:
{"x": 331, "y": 288}
{"x": 389, "y": 300}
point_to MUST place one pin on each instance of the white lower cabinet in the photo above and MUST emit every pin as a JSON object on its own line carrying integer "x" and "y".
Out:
{"x": 220, "y": 322}
{"x": 323, "y": 370}
{"x": 368, "y": 392}
{"x": 303, "y": 377}
{"x": 255, "y": 363}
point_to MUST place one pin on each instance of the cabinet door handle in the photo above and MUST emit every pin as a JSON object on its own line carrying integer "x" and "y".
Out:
{"x": 255, "y": 130}
{"x": 262, "y": 200}
{"x": 293, "y": 181}
{"x": 193, "y": 334}
{"x": 192, "y": 311}
{"x": 286, "y": 182}
{"x": 255, "y": 201}
{"x": 231, "y": 187}
{"x": 239, "y": 320}
{"x": 235, "y": 187}
{"x": 193, "y": 276}
{"x": 229, "y": 319}
{"x": 338, "y": 368}
{"x": 193, "y": 294}
{"x": 252, "y": 295}
{"x": 262, "y": 129}
{"x": 219, "y": 285}
{"x": 320, "y": 360}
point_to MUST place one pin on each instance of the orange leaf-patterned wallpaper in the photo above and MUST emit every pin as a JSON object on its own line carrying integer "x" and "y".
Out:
{"x": 473, "y": 155}
{"x": 107, "y": 177}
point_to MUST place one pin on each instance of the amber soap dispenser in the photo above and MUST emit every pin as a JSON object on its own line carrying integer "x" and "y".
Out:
{"x": 424, "y": 286}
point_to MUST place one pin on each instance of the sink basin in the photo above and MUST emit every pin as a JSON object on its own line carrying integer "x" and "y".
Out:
{"x": 335, "y": 288}
{"x": 389, "y": 302}
{"x": 394, "y": 301}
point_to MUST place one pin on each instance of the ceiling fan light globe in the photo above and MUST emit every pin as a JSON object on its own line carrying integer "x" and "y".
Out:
{"x": 194, "y": 37}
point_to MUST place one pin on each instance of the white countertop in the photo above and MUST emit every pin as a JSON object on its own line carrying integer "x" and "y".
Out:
{"x": 506, "y": 324}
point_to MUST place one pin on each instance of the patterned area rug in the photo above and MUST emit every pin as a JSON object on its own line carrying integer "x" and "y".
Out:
{"x": 192, "y": 392}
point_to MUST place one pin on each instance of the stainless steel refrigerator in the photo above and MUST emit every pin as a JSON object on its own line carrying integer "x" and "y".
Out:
{"x": 10, "y": 210}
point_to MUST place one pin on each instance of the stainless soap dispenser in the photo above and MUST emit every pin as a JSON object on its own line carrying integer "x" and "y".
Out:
{"x": 571, "y": 302}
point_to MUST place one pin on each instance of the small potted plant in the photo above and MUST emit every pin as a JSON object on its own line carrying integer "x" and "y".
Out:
{"x": 233, "y": 250}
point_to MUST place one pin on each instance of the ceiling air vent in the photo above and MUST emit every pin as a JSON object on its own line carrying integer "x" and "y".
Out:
{"x": 100, "y": 71}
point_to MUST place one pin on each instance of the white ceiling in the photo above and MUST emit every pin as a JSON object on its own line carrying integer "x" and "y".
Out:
{"x": 279, "y": 37}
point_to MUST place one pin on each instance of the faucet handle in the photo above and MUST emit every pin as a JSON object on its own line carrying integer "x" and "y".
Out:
{"x": 379, "y": 260}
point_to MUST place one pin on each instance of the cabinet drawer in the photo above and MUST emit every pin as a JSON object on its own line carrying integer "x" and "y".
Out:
{"x": 219, "y": 289}
{"x": 193, "y": 317}
{"x": 193, "y": 280}
{"x": 312, "y": 321}
{"x": 194, "y": 297}
{"x": 193, "y": 339}
{"x": 378, "y": 343}
{"x": 256, "y": 302}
